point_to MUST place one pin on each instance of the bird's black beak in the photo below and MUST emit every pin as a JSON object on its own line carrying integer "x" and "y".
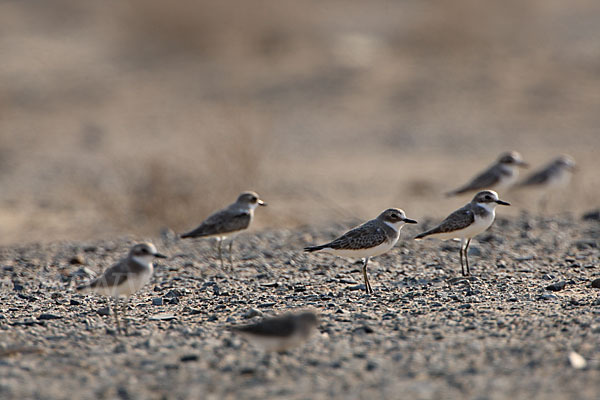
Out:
{"x": 503, "y": 203}
{"x": 261, "y": 203}
{"x": 410, "y": 221}
{"x": 158, "y": 255}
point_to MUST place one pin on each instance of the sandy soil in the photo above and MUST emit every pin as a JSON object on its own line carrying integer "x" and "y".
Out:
{"x": 501, "y": 335}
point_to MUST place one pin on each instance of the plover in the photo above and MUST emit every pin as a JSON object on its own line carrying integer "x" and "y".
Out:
{"x": 370, "y": 239}
{"x": 280, "y": 333}
{"x": 228, "y": 222}
{"x": 555, "y": 175}
{"x": 125, "y": 277}
{"x": 499, "y": 176}
{"x": 467, "y": 222}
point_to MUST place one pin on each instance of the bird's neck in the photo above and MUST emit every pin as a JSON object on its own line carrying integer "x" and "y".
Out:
{"x": 144, "y": 262}
{"x": 485, "y": 208}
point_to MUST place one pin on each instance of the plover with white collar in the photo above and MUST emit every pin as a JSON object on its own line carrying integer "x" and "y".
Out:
{"x": 499, "y": 176}
{"x": 228, "y": 222}
{"x": 553, "y": 176}
{"x": 126, "y": 276}
{"x": 468, "y": 222}
{"x": 370, "y": 239}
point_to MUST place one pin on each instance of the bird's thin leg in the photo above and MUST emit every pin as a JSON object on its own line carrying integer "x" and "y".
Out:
{"x": 467, "y": 256}
{"x": 116, "y": 310}
{"x": 460, "y": 251}
{"x": 368, "y": 288}
{"x": 231, "y": 254}
{"x": 125, "y": 320}
{"x": 543, "y": 204}
{"x": 221, "y": 252}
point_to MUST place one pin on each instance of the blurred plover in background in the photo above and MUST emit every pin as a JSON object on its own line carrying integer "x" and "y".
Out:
{"x": 499, "y": 176}
{"x": 280, "y": 333}
{"x": 228, "y": 222}
{"x": 125, "y": 277}
{"x": 554, "y": 176}
{"x": 370, "y": 239}
{"x": 467, "y": 222}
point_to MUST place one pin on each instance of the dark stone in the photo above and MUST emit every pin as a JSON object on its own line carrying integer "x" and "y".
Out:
{"x": 173, "y": 300}
{"x": 188, "y": 358}
{"x": 103, "y": 311}
{"x": 555, "y": 287}
{"x": 596, "y": 283}
{"x": 593, "y": 215}
{"x": 43, "y": 317}
{"x": 173, "y": 294}
{"x": 77, "y": 260}
{"x": 17, "y": 287}
{"x": 371, "y": 366}
{"x": 157, "y": 301}
{"x": 74, "y": 302}
{"x": 364, "y": 329}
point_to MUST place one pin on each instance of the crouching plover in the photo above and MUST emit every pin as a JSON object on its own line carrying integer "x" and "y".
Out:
{"x": 125, "y": 277}
{"x": 555, "y": 175}
{"x": 499, "y": 176}
{"x": 467, "y": 222}
{"x": 280, "y": 333}
{"x": 228, "y": 222}
{"x": 370, "y": 239}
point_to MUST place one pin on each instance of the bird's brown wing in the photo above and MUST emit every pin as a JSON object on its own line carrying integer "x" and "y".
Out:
{"x": 274, "y": 327}
{"x": 537, "y": 178}
{"x": 224, "y": 221}
{"x": 364, "y": 236}
{"x": 459, "y": 219}
{"x": 486, "y": 179}
{"x": 113, "y": 276}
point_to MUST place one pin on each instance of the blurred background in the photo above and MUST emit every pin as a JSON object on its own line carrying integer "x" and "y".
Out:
{"x": 128, "y": 116}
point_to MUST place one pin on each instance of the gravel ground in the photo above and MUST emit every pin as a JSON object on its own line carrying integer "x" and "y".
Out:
{"x": 503, "y": 334}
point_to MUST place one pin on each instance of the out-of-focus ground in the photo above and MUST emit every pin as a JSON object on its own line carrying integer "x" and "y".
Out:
{"x": 124, "y": 117}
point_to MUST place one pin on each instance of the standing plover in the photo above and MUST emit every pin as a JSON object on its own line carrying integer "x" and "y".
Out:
{"x": 499, "y": 176}
{"x": 228, "y": 222}
{"x": 370, "y": 239}
{"x": 555, "y": 175}
{"x": 126, "y": 276}
{"x": 280, "y": 333}
{"x": 467, "y": 222}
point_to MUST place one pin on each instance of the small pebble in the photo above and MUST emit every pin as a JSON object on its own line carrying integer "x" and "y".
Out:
{"x": 555, "y": 287}
{"x": 188, "y": 358}
{"x": 103, "y": 311}
{"x": 43, "y": 317}
{"x": 157, "y": 301}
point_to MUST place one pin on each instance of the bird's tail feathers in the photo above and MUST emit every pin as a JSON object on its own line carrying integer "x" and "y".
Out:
{"x": 310, "y": 249}
{"x": 421, "y": 235}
